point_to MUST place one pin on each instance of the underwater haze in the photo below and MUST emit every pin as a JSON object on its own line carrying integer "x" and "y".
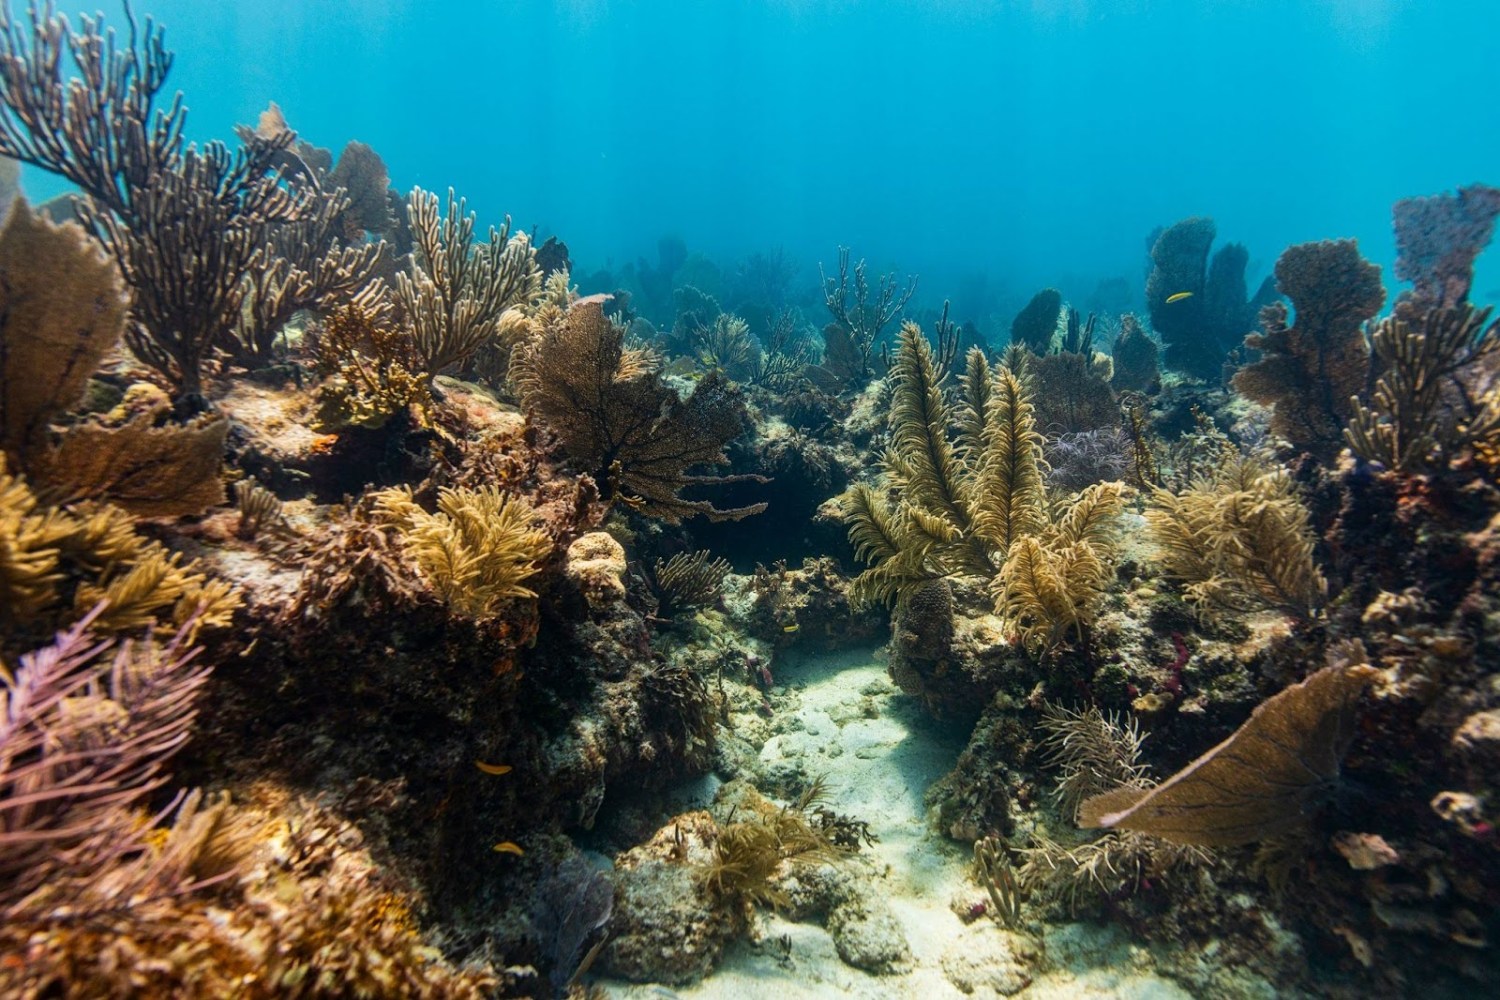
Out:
{"x": 1034, "y": 142}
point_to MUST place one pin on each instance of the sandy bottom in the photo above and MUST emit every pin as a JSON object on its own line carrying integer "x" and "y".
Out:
{"x": 842, "y": 716}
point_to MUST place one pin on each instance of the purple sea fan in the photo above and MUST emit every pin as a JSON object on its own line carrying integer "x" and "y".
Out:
{"x": 86, "y": 726}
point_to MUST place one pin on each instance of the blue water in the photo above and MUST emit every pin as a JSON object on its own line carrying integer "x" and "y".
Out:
{"x": 1036, "y": 143}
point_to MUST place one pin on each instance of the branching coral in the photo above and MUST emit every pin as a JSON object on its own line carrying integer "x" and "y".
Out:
{"x": 960, "y": 502}
{"x": 185, "y": 225}
{"x": 687, "y": 580}
{"x": 77, "y": 755}
{"x": 1239, "y": 540}
{"x": 859, "y": 320}
{"x": 1423, "y": 412}
{"x": 613, "y": 413}
{"x": 1214, "y": 316}
{"x": 1093, "y": 753}
{"x": 1051, "y": 580}
{"x": 726, "y": 345}
{"x": 781, "y": 365}
{"x": 454, "y": 292}
{"x": 369, "y": 369}
{"x": 1310, "y": 370}
{"x": 476, "y": 551}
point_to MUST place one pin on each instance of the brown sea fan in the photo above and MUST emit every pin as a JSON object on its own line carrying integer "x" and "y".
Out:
{"x": 1264, "y": 780}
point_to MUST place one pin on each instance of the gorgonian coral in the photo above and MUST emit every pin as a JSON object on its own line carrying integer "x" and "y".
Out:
{"x": 1239, "y": 539}
{"x": 454, "y": 292}
{"x": 476, "y": 551}
{"x": 1310, "y": 370}
{"x": 612, "y": 412}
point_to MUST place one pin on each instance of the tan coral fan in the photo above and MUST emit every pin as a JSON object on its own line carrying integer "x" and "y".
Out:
{"x": 1264, "y": 780}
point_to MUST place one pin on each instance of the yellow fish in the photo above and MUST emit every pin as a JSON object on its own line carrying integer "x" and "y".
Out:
{"x": 1178, "y": 297}
{"x": 790, "y": 628}
{"x": 492, "y": 768}
{"x": 509, "y": 847}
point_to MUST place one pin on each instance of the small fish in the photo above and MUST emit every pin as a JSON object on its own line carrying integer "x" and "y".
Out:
{"x": 509, "y": 847}
{"x": 790, "y": 628}
{"x": 492, "y": 768}
{"x": 1178, "y": 297}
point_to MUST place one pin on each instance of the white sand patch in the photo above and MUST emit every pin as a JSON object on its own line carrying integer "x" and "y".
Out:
{"x": 840, "y": 715}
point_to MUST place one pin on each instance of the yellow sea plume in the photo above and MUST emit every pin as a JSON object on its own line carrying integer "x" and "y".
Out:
{"x": 1239, "y": 538}
{"x": 476, "y": 551}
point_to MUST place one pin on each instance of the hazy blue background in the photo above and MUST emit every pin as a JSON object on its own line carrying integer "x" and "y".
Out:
{"x": 1038, "y": 142}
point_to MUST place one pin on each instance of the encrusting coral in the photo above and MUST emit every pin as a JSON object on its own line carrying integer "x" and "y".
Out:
{"x": 609, "y": 407}
{"x": 476, "y": 552}
{"x": 1310, "y": 371}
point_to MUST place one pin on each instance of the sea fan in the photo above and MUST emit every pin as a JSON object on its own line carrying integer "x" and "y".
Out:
{"x": 1263, "y": 781}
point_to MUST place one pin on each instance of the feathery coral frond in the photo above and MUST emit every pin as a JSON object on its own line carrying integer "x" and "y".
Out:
{"x": 476, "y": 551}
{"x": 1010, "y": 493}
{"x": 76, "y": 753}
{"x": 1239, "y": 540}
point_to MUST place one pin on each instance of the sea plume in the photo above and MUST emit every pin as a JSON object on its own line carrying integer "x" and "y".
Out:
{"x": 1264, "y": 780}
{"x": 86, "y": 728}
